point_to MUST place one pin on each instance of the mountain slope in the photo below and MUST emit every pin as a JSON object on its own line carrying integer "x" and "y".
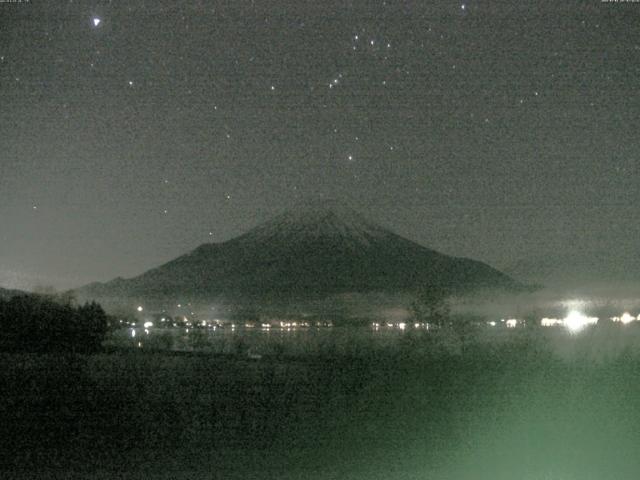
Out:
{"x": 316, "y": 249}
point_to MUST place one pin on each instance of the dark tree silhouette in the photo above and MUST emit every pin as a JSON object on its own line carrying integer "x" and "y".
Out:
{"x": 431, "y": 305}
{"x": 34, "y": 323}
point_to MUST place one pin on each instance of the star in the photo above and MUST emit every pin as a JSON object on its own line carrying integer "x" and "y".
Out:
{"x": 96, "y": 21}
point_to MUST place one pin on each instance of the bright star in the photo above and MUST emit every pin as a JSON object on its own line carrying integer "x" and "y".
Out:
{"x": 96, "y": 21}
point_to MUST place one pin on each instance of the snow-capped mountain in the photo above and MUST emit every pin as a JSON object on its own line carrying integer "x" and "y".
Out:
{"x": 314, "y": 220}
{"x": 316, "y": 249}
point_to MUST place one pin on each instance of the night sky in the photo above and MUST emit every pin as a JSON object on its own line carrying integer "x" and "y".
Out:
{"x": 133, "y": 131}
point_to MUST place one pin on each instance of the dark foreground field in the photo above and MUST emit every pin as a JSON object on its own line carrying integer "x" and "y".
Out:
{"x": 527, "y": 406}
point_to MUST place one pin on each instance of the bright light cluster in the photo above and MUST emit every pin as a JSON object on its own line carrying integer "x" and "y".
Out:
{"x": 551, "y": 322}
{"x": 400, "y": 325}
{"x": 625, "y": 318}
{"x": 576, "y": 321}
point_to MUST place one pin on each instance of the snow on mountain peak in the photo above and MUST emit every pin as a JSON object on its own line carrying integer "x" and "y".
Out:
{"x": 319, "y": 219}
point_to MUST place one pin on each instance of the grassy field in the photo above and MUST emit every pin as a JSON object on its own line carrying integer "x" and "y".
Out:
{"x": 527, "y": 405}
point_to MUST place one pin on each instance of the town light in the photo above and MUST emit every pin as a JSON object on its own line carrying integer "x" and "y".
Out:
{"x": 626, "y": 318}
{"x": 576, "y": 321}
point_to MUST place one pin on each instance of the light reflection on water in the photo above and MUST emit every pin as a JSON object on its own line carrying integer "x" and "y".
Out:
{"x": 288, "y": 340}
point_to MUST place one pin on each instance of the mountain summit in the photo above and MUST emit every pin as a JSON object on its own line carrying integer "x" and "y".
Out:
{"x": 317, "y": 249}
{"x": 314, "y": 220}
